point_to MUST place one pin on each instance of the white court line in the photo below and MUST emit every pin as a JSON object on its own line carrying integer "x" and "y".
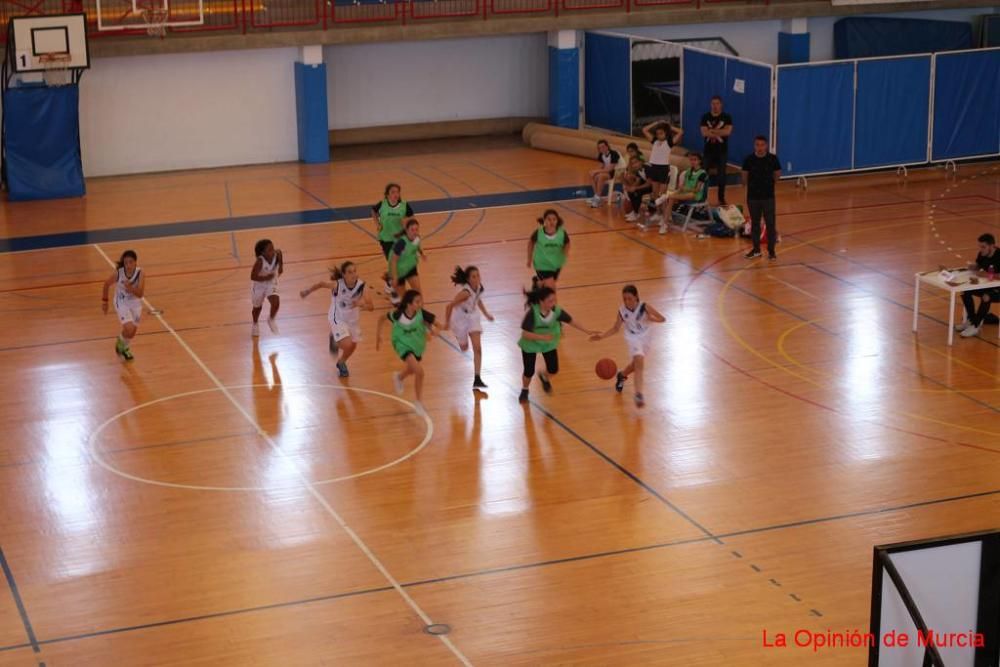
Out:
{"x": 791, "y": 286}
{"x": 306, "y": 484}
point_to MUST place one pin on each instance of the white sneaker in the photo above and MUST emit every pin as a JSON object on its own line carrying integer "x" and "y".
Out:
{"x": 272, "y": 325}
{"x": 661, "y": 199}
{"x": 397, "y": 384}
{"x": 631, "y": 217}
{"x": 970, "y": 331}
{"x": 418, "y": 407}
{"x": 595, "y": 202}
{"x": 663, "y": 228}
{"x": 654, "y": 219}
{"x": 255, "y": 330}
{"x": 963, "y": 325}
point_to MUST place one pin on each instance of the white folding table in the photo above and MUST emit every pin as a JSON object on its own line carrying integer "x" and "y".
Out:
{"x": 961, "y": 278}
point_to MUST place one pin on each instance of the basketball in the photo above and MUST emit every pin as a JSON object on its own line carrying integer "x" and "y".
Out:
{"x": 606, "y": 369}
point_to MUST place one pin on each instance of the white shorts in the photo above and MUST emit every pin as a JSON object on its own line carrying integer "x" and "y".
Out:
{"x": 342, "y": 330}
{"x": 260, "y": 291}
{"x": 637, "y": 344}
{"x": 463, "y": 324}
{"x": 129, "y": 311}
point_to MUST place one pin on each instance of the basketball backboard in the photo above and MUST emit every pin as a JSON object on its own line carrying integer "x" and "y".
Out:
{"x": 46, "y": 42}
{"x": 153, "y": 16}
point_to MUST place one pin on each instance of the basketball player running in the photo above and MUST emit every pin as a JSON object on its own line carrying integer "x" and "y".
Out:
{"x": 389, "y": 216}
{"x": 348, "y": 298}
{"x": 462, "y": 317}
{"x": 635, "y": 316}
{"x": 130, "y": 284}
{"x": 264, "y": 283}
{"x": 411, "y": 326}
{"x": 548, "y": 250}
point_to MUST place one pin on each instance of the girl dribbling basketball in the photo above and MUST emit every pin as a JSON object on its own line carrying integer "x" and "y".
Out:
{"x": 130, "y": 284}
{"x": 635, "y": 316}
{"x": 264, "y": 276}
{"x": 348, "y": 298}
{"x": 462, "y": 317}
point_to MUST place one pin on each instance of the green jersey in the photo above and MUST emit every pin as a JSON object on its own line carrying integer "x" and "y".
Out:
{"x": 691, "y": 179}
{"x": 550, "y": 325}
{"x": 550, "y": 251}
{"x": 409, "y": 335}
{"x": 391, "y": 217}
{"x": 407, "y": 255}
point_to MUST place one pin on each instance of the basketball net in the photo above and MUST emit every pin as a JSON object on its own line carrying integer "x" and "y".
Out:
{"x": 156, "y": 21}
{"x": 56, "y": 68}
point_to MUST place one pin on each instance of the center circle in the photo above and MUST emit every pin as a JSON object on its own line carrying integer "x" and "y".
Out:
{"x": 101, "y": 460}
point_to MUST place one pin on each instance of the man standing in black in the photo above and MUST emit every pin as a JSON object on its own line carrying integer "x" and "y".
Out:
{"x": 761, "y": 170}
{"x": 716, "y": 126}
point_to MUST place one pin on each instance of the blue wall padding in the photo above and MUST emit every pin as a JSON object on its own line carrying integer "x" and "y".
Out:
{"x": 751, "y": 109}
{"x": 41, "y": 128}
{"x": 815, "y": 118}
{"x": 702, "y": 76}
{"x": 900, "y": 84}
{"x": 864, "y": 37}
{"x": 793, "y": 47}
{"x": 564, "y": 87}
{"x": 966, "y": 105}
{"x": 311, "y": 113}
{"x": 608, "y": 82}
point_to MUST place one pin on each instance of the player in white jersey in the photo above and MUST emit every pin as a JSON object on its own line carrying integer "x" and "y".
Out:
{"x": 635, "y": 316}
{"x": 130, "y": 283}
{"x": 462, "y": 316}
{"x": 348, "y": 297}
{"x": 264, "y": 276}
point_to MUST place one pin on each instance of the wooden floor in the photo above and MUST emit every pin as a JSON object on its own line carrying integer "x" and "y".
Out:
{"x": 225, "y": 502}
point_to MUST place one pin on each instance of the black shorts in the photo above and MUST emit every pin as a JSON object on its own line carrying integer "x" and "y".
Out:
{"x": 551, "y": 362}
{"x": 386, "y": 247}
{"x": 658, "y": 173}
{"x": 545, "y": 275}
{"x": 402, "y": 279}
{"x": 410, "y": 354}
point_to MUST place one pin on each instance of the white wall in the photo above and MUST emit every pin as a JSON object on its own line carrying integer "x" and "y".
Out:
{"x": 186, "y": 111}
{"x": 441, "y": 80}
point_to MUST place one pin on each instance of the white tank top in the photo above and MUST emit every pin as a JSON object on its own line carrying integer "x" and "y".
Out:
{"x": 121, "y": 295}
{"x": 636, "y": 321}
{"x": 269, "y": 268}
{"x": 660, "y": 153}
{"x": 342, "y": 308}
{"x": 469, "y": 305}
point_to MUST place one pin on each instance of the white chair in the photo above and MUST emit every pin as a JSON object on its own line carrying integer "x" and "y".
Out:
{"x": 616, "y": 176}
{"x": 691, "y": 208}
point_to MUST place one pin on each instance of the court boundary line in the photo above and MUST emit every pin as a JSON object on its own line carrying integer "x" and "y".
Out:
{"x": 306, "y": 484}
{"x": 517, "y": 567}
{"x": 22, "y": 611}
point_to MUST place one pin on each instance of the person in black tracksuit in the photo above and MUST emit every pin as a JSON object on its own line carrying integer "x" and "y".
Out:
{"x": 761, "y": 170}
{"x": 987, "y": 264}
{"x": 716, "y": 126}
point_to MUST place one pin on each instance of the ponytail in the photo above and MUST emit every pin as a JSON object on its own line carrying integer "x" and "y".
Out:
{"x": 461, "y": 276}
{"x": 407, "y": 300}
{"x": 547, "y": 213}
{"x": 537, "y": 295}
{"x": 337, "y": 272}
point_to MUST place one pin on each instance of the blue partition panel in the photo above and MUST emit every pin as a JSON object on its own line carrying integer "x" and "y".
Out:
{"x": 902, "y": 85}
{"x": 564, "y": 87}
{"x": 702, "y": 75}
{"x": 608, "y": 82}
{"x": 966, "y": 105}
{"x": 751, "y": 109}
{"x": 815, "y": 118}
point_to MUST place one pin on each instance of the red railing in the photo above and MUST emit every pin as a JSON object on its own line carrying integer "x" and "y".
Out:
{"x": 249, "y": 16}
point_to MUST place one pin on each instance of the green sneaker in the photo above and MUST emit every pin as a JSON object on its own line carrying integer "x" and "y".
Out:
{"x": 118, "y": 347}
{"x": 127, "y": 354}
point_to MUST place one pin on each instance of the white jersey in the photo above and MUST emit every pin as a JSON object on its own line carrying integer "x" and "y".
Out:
{"x": 465, "y": 318}
{"x": 342, "y": 308}
{"x": 269, "y": 269}
{"x": 470, "y": 305}
{"x": 636, "y": 321}
{"x": 660, "y": 153}
{"x": 123, "y": 296}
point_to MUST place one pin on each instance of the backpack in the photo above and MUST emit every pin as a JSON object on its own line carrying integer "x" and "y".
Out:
{"x": 720, "y": 230}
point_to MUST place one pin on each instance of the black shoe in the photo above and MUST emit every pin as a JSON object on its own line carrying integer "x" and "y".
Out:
{"x": 753, "y": 254}
{"x": 333, "y": 345}
{"x": 546, "y": 385}
{"x": 771, "y": 257}
{"x": 478, "y": 383}
{"x": 991, "y": 319}
{"x": 523, "y": 398}
{"x": 619, "y": 382}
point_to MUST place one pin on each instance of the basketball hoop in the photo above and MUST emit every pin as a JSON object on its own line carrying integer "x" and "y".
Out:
{"x": 56, "y": 68}
{"x": 156, "y": 21}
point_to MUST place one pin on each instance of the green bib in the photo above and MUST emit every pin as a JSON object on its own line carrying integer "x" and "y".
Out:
{"x": 550, "y": 252}
{"x": 544, "y": 326}
{"x": 691, "y": 182}
{"x": 391, "y": 218}
{"x": 407, "y": 261}
{"x": 410, "y": 337}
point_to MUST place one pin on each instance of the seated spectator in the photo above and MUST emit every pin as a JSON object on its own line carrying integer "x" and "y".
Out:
{"x": 636, "y": 187}
{"x": 633, "y": 152}
{"x": 691, "y": 188}
{"x": 987, "y": 264}
{"x": 599, "y": 177}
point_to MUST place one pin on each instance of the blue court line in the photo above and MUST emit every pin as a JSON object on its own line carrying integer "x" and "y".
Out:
{"x": 311, "y": 217}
